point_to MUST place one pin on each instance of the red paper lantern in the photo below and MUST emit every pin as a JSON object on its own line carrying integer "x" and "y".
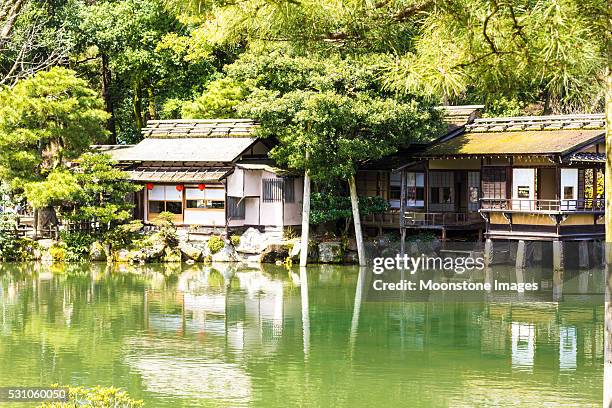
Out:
{"x": 149, "y": 186}
{"x": 179, "y": 187}
{"x": 201, "y": 187}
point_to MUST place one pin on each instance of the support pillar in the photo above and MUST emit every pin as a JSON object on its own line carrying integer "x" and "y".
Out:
{"x": 521, "y": 255}
{"x": 403, "y": 242}
{"x": 488, "y": 252}
{"x": 583, "y": 254}
{"x": 557, "y": 270}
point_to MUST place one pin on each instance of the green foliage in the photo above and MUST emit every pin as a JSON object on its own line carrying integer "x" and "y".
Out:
{"x": 505, "y": 107}
{"x": 96, "y": 397}
{"x": 235, "y": 240}
{"x": 548, "y": 52}
{"x": 44, "y": 120}
{"x": 334, "y": 110}
{"x": 100, "y": 192}
{"x": 327, "y": 207}
{"x": 58, "y": 252}
{"x": 219, "y": 100}
{"x": 13, "y": 248}
{"x": 77, "y": 245}
{"x": 123, "y": 235}
{"x": 215, "y": 244}
{"x": 166, "y": 229}
{"x": 146, "y": 58}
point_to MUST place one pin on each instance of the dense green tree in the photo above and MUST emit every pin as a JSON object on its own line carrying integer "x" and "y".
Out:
{"x": 45, "y": 121}
{"x": 135, "y": 50}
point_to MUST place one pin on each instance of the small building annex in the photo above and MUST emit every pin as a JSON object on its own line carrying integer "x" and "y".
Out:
{"x": 209, "y": 173}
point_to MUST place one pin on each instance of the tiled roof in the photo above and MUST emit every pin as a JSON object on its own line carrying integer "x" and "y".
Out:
{"x": 522, "y": 135}
{"x": 213, "y": 149}
{"x": 555, "y": 122}
{"x": 194, "y": 128}
{"x": 178, "y": 174}
{"x": 588, "y": 157}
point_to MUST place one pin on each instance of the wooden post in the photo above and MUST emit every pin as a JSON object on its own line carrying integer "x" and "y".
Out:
{"x": 403, "y": 213}
{"x": 488, "y": 252}
{"x": 521, "y": 255}
{"x": 305, "y": 218}
{"x": 357, "y": 221}
{"x": 557, "y": 270}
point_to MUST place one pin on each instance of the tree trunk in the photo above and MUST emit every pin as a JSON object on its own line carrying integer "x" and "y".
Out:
{"x": 9, "y": 15}
{"x": 357, "y": 221}
{"x": 46, "y": 218}
{"x": 138, "y": 106}
{"x": 305, "y": 219}
{"x": 151, "y": 104}
{"x": 607, "y": 386}
{"x": 106, "y": 95}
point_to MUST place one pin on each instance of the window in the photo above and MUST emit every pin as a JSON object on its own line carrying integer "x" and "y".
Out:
{"x": 278, "y": 189}
{"x": 175, "y": 207}
{"x": 395, "y": 186}
{"x": 568, "y": 192}
{"x": 441, "y": 195}
{"x": 205, "y": 204}
{"x": 210, "y": 198}
{"x": 473, "y": 194}
{"x": 155, "y": 207}
{"x": 415, "y": 189}
{"x": 494, "y": 182}
{"x": 289, "y": 189}
{"x": 522, "y": 192}
{"x": 165, "y": 198}
{"x": 235, "y": 208}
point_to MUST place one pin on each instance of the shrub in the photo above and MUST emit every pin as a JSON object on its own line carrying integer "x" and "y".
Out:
{"x": 167, "y": 230}
{"x": 290, "y": 233}
{"x": 123, "y": 236}
{"x": 96, "y": 397}
{"x": 57, "y": 253}
{"x": 13, "y": 248}
{"x": 327, "y": 207}
{"x": 235, "y": 240}
{"x": 77, "y": 244}
{"x": 215, "y": 244}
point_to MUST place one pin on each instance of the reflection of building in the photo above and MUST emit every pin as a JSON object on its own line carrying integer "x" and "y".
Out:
{"x": 523, "y": 345}
{"x": 568, "y": 337}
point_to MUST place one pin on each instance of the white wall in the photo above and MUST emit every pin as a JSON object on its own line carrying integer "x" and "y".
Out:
{"x": 569, "y": 178}
{"x": 523, "y": 178}
{"x": 252, "y": 183}
{"x": 204, "y": 217}
{"x": 293, "y": 211}
{"x": 251, "y": 211}
{"x": 235, "y": 183}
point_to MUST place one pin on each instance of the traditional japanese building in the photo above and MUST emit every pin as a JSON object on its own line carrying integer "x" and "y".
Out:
{"x": 518, "y": 178}
{"x": 210, "y": 173}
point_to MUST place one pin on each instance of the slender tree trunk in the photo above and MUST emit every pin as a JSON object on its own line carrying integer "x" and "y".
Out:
{"x": 138, "y": 106}
{"x": 357, "y": 221}
{"x": 305, "y": 219}
{"x": 9, "y": 15}
{"x": 607, "y": 386}
{"x": 106, "y": 95}
{"x": 151, "y": 103}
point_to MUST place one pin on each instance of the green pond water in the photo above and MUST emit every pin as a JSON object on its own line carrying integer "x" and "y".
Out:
{"x": 222, "y": 336}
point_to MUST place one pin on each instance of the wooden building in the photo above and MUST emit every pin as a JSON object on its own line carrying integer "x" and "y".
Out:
{"x": 521, "y": 178}
{"x": 210, "y": 173}
{"x": 378, "y": 178}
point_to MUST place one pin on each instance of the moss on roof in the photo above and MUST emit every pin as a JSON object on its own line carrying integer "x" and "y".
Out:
{"x": 515, "y": 142}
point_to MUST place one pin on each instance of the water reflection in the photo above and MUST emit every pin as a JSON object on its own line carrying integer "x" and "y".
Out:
{"x": 226, "y": 335}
